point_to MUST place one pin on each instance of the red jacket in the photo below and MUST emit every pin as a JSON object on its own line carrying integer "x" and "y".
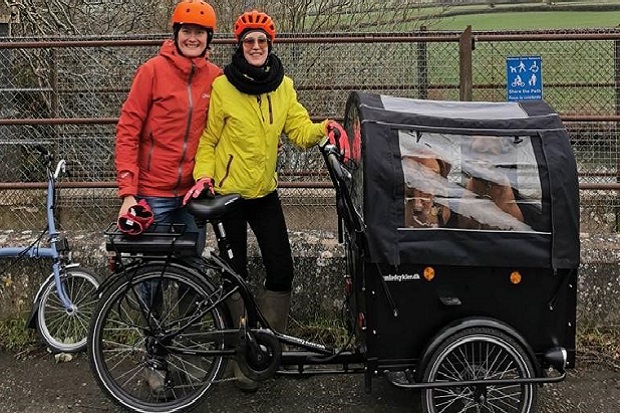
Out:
{"x": 161, "y": 122}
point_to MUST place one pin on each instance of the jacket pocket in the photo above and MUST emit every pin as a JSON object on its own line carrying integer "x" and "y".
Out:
{"x": 230, "y": 159}
{"x": 149, "y": 157}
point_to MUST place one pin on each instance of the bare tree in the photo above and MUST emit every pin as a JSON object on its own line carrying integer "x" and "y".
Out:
{"x": 116, "y": 17}
{"x": 310, "y": 16}
{"x": 90, "y": 17}
{"x": 298, "y": 16}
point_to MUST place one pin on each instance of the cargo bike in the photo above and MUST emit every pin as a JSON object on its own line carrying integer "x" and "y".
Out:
{"x": 460, "y": 224}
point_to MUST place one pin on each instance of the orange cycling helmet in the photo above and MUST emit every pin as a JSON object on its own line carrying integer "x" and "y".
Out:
{"x": 194, "y": 12}
{"x": 256, "y": 20}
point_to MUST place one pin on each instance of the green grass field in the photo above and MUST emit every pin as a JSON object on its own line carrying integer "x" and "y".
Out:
{"x": 579, "y": 74}
{"x": 529, "y": 21}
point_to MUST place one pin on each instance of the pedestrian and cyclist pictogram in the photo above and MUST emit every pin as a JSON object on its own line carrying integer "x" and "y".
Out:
{"x": 524, "y": 78}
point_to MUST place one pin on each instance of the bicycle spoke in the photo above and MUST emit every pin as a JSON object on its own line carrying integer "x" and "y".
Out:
{"x": 143, "y": 343}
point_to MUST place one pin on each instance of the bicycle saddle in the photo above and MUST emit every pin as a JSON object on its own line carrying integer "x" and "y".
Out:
{"x": 212, "y": 208}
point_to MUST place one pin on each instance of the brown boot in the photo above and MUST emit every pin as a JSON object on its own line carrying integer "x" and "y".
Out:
{"x": 275, "y": 307}
{"x": 237, "y": 310}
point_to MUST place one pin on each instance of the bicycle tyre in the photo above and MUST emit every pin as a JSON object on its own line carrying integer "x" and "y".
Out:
{"x": 121, "y": 334}
{"x": 63, "y": 331}
{"x": 479, "y": 353}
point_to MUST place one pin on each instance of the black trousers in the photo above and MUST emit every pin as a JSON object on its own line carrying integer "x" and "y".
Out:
{"x": 266, "y": 219}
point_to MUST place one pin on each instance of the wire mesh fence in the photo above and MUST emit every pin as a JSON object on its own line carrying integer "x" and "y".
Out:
{"x": 66, "y": 94}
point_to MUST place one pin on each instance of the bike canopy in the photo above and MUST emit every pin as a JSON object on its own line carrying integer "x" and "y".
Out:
{"x": 463, "y": 183}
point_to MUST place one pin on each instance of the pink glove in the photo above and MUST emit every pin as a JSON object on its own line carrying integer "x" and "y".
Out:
{"x": 338, "y": 137}
{"x": 198, "y": 189}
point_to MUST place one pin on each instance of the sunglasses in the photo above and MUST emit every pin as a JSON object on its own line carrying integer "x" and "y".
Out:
{"x": 249, "y": 41}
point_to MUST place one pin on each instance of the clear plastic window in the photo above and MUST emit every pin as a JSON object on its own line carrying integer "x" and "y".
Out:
{"x": 470, "y": 182}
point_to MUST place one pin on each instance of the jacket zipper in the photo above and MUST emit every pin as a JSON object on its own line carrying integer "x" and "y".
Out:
{"x": 230, "y": 159}
{"x": 151, "y": 149}
{"x": 270, "y": 111}
{"x": 260, "y": 107}
{"x": 187, "y": 128}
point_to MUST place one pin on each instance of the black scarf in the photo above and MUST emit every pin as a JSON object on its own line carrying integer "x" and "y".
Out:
{"x": 254, "y": 80}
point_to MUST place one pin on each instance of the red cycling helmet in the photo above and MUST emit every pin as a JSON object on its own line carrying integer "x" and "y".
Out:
{"x": 254, "y": 20}
{"x": 194, "y": 12}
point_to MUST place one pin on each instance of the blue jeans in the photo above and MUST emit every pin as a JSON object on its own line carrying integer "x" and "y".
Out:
{"x": 172, "y": 211}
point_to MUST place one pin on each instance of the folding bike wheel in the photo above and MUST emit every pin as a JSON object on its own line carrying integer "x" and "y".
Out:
{"x": 135, "y": 354}
{"x": 479, "y": 353}
{"x": 65, "y": 330}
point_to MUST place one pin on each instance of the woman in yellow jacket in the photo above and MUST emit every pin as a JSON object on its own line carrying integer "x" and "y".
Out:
{"x": 251, "y": 106}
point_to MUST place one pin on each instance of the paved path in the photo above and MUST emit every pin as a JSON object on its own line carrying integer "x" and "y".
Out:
{"x": 39, "y": 385}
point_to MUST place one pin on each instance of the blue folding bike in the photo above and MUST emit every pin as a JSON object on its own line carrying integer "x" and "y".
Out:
{"x": 65, "y": 301}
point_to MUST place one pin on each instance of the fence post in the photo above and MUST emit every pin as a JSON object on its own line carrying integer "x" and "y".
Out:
{"x": 422, "y": 58}
{"x": 55, "y": 113}
{"x": 616, "y": 143}
{"x": 465, "y": 64}
{"x": 8, "y": 133}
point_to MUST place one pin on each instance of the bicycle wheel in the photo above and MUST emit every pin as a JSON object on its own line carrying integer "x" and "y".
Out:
{"x": 136, "y": 356}
{"x": 479, "y": 353}
{"x": 62, "y": 330}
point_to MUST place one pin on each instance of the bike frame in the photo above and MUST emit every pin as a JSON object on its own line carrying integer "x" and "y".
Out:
{"x": 57, "y": 244}
{"x": 232, "y": 283}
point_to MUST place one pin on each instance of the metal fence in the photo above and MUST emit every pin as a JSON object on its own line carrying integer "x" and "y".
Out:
{"x": 67, "y": 93}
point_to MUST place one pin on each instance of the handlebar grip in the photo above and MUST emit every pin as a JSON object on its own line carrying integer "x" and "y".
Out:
{"x": 42, "y": 150}
{"x": 335, "y": 165}
{"x": 60, "y": 168}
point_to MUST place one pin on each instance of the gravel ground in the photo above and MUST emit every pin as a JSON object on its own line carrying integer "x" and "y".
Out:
{"x": 39, "y": 384}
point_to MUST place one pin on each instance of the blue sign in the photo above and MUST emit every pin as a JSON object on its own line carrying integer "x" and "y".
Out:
{"x": 524, "y": 78}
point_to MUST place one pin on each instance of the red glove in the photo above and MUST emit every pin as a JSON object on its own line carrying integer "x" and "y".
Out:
{"x": 198, "y": 189}
{"x": 338, "y": 137}
{"x": 137, "y": 219}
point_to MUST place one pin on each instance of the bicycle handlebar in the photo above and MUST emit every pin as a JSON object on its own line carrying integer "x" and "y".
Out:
{"x": 333, "y": 159}
{"x": 333, "y": 156}
{"x": 341, "y": 177}
{"x": 61, "y": 166}
{"x": 45, "y": 154}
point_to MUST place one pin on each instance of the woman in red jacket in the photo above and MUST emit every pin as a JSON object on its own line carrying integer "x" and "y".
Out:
{"x": 163, "y": 117}
{"x": 156, "y": 140}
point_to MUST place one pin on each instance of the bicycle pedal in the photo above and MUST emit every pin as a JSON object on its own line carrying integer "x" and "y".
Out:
{"x": 245, "y": 335}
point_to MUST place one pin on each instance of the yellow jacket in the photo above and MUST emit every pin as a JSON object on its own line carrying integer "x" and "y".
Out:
{"x": 239, "y": 146}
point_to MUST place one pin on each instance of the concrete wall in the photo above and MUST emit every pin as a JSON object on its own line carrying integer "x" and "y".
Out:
{"x": 320, "y": 266}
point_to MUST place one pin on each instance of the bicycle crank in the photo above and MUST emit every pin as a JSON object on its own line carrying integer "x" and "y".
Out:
{"x": 259, "y": 353}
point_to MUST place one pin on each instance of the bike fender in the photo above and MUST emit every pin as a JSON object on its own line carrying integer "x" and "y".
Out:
{"x": 31, "y": 320}
{"x": 463, "y": 324}
{"x": 117, "y": 275}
